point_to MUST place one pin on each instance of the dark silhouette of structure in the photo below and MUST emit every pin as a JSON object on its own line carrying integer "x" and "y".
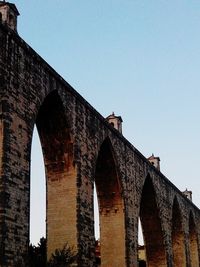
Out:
{"x": 80, "y": 148}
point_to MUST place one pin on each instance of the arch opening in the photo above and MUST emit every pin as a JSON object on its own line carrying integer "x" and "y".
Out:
{"x": 111, "y": 209}
{"x": 37, "y": 192}
{"x": 178, "y": 247}
{"x": 141, "y": 247}
{"x": 57, "y": 147}
{"x": 151, "y": 227}
{"x": 96, "y": 228}
{"x": 193, "y": 242}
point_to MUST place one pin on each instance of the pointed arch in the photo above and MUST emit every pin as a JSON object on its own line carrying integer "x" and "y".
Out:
{"x": 37, "y": 225}
{"x": 51, "y": 123}
{"x": 57, "y": 147}
{"x": 111, "y": 208}
{"x": 193, "y": 242}
{"x": 178, "y": 244}
{"x": 151, "y": 226}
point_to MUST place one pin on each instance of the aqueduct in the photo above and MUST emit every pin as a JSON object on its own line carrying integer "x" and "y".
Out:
{"x": 80, "y": 148}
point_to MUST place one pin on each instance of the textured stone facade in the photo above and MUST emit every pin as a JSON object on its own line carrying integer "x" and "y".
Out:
{"x": 80, "y": 148}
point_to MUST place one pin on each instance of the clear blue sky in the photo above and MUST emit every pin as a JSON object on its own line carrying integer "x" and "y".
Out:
{"x": 140, "y": 59}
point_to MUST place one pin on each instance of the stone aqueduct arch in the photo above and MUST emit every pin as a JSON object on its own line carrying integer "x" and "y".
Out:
{"x": 81, "y": 148}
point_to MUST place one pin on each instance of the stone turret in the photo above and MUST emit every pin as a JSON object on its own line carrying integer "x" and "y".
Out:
{"x": 115, "y": 121}
{"x": 188, "y": 194}
{"x": 155, "y": 161}
{"x": 9, "y": 14}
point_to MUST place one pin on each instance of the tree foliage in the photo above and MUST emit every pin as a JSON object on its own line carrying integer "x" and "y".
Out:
{"x": 62, "y": 257}
{"x": 37, "y": 254}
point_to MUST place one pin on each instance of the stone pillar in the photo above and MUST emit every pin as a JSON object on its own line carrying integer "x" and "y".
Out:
{"x": 16, "y": 126}
{"x": 15, "y": 139}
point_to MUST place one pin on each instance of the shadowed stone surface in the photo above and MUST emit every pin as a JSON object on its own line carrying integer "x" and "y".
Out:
{"x": 81, "y": 148}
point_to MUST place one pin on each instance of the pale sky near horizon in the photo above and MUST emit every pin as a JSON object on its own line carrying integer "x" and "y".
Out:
{"x": 140, "y": 59}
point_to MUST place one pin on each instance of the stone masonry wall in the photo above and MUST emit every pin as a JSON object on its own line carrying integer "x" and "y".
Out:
{"x": 73, "y": 136}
